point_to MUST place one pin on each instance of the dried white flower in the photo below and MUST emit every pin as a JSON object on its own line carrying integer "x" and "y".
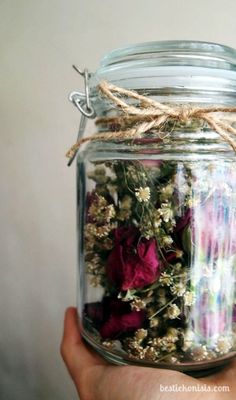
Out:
{"x": 178, "y": 267}
{"x": 165, "y": 279}
{"x": 178, "y": 289}
{"x": 168, "y": 190}
{"x": 140, "y": 334}
{"x": 95, "y": 280}
{"x": 150, "y": 353}
{"x": 172, "y": 334}
{"x": 167, "y": 345}
{"x": 223, "y": 345}
{"x": 199, "y": 353}
{"x": 173, "y": 311}
{"x": 126, "y": 202}
{"x": 138, "y": 304}
{"x": 109, "y": 212}
{"x": 154, "y": 322}
{"x": 189, "y": 298}
{"x": 143, "y": 194}
{"x": 179, "y": 253}
{"x": 166, "y": 212}
{"x": 166, "y": 241}
{"x": 125, "y": 208}
{"x": 99, "y": 231}
{"x": 110, "y": 344}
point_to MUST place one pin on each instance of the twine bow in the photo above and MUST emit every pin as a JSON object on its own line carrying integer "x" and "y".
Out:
{"x": 148, "y": 115}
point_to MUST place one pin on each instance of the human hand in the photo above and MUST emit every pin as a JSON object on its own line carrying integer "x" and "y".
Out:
{"x": 95, "y": 379}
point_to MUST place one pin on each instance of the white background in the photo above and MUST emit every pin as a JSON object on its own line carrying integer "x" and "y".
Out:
{"x": 39, "y": 41}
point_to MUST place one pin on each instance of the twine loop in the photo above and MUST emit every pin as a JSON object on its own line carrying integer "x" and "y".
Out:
{"x": 146, "y": 115}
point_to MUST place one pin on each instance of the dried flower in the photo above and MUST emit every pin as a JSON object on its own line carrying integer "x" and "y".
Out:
{"x": 179, "y": 253}
{"x": 166, "y": 241}
{"x": 223, "y": 345}
{"x": 178, "y": 289}
{"x": 109, "y": 213}
{"x": 150, "y": 226}
{"x": 173, "y": 311}
{"x": 95, "y": 280}
{"x": 128, "y": 295}
{"x": 172, "y": 334}
{"x": 120, "y": 322}
{"x": 109, "y": 344}
{"x": 97, "y": 205}
{"x": 141, "y": 220}
{"x": 133, "y": 262}
{"x": 150, "y": 353}
{"x": 140, "y": 334}
{"x": 136, "y": 353}
{"x": 189, "y": 298}
{"x": 167, "y": 345}
{"x": 98, "y": 175}
{"x": 143, "y": 194}
{"x": 154, "y": 322}
{"x": 131, "y": 174}
{"x": 125, "y": 208}
{"x": 138, "y": 304}
{"x": 99, "y": 231}
{"x": 105, "y": 244}
{"x": 165, "y": 279}
{"x": 199, "y": 353}
{"x": 178, "y": 267}
{"x": 167, "y": 191}
{"x": 166, "y": 212}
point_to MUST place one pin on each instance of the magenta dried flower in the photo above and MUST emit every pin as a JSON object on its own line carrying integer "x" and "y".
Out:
{"x": 133, "y": 262}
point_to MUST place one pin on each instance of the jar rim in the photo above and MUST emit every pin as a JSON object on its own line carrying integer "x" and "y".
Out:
{"x": 174, "y": 52}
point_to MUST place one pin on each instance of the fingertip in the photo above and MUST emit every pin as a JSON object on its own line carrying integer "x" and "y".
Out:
{"x": 70, "y": 310}
{"x": 73, "y": 350}
{"x": 71, "y": 324}
{"x": 70, "y": 313}
{"x": 71, "y": 333}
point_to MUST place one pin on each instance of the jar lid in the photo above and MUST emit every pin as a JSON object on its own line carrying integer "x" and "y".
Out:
{"x": 167, "y": 64}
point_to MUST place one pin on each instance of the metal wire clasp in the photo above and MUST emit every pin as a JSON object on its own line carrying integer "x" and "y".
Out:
{"x": 83, "y": 103}
{"x": 82, "y": 100}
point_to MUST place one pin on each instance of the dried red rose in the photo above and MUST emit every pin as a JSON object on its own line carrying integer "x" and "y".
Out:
{"x": 183, "y": 221}
{"x": 120, "y": 323}
{"x": 112, "y": 317}
{"x": 133, "y": 262}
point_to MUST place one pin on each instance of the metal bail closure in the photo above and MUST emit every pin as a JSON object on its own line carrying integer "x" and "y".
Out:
{"x": 83, "y": 103}
{"x": 82, "y": 100}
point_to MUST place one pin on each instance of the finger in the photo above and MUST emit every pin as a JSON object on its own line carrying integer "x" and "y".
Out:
{"x": 71, "y": 334}
{"x": 75, "y": 353}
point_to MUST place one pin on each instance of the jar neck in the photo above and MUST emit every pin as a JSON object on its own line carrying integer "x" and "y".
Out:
{"x": 171, "y": 95}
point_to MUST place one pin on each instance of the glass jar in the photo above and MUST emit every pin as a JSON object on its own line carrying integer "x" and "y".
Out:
{"x": 157, "y": 216}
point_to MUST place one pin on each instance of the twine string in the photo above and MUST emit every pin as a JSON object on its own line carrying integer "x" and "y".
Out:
{"x": 148, "y": 115}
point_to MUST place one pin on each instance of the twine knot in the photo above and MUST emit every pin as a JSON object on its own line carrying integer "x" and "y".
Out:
{"x": 186, "y": 113}
{"x": 140, "y": 114}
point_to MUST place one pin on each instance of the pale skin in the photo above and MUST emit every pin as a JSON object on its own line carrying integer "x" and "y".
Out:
{"x": 95, "y": 379}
